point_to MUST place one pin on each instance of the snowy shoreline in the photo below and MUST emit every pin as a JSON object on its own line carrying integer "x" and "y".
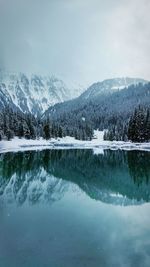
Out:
{"x": 97, "y": 144}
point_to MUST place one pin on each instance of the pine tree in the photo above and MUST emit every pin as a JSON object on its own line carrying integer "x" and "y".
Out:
{"x": 20, "y": 131}
{"x": 139, "y": 126}
{"x": 46, "y": 131}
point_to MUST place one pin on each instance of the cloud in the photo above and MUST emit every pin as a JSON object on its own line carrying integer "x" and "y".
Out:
{"x": 131, "y": 38}
{"x": 82, "y": 41}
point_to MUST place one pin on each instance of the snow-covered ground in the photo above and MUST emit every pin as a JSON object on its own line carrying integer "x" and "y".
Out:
{"x": 97, "y": 144}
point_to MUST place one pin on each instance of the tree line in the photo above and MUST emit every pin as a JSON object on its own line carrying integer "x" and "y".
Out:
{"x": 16, "y": 123}
{"x": 136, "y": 128}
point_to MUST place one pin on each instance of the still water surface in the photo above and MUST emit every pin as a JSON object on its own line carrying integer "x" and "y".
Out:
{"x": 71, "y": 208}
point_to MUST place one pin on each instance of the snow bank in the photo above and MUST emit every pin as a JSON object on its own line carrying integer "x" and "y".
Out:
{"x": 97, "y": 144}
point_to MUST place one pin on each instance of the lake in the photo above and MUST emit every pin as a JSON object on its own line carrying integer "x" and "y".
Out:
{"x": 75, "y": 208}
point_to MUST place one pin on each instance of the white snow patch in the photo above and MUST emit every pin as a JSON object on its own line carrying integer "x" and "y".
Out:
{"x": 97, "y": 144}
{"x": 98, "y": 136}
{"x": 118, "y": 87}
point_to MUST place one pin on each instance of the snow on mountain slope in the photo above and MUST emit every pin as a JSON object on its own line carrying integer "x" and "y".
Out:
{"x": 36, "y": 94}
{"x": 96, "y": 93}
{"x": 32, "y": 94}
{"x": 107, "y": 86}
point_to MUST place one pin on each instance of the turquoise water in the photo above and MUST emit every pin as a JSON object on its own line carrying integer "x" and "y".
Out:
{"x": 68, "y": 208}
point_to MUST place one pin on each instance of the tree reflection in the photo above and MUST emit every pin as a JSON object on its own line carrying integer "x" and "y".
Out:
{"x": 45, "y": 175}
{"x": 139, "y": 166}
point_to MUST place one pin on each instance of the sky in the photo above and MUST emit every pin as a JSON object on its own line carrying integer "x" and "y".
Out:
{"x": 80, "y": 41}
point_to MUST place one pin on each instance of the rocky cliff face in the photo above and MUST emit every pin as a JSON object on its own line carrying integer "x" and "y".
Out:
{"x": 32, "y": 94}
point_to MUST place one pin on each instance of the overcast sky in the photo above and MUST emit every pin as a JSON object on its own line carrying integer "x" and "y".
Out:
{"x": 82, "y": 41}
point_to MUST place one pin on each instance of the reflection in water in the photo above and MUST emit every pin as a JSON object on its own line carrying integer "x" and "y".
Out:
{"x": 139, "y": 166}
{"x": 117, "y": 177}
{"x": 95, "y": 219}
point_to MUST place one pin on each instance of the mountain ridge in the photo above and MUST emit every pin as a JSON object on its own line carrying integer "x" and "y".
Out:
{"x": 108, "y": 85}
{"x": 95, "y": 93}
{"x": 38, "y": 94}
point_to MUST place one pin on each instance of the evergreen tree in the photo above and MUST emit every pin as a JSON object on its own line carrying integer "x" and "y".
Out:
{"x": 46, "y": 131}
{"x": 139, "y": 126}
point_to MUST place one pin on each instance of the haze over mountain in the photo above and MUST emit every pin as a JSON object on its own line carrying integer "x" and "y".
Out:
{"x": 109, "y": 86}
{"x": 80, "y": 41}
{"x": 34, "y": 94}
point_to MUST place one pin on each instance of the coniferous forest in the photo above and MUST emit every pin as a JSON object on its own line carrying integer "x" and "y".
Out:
{"x": 15, "y": 123}
{"x": 136, "y": 129}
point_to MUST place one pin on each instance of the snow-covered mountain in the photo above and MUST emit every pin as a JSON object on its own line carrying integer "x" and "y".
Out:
{"x": 109, "y": 86}
{"x": 33, "y": 94}
{"x": 37, "y": 94}
{"x": 95, "y": 93}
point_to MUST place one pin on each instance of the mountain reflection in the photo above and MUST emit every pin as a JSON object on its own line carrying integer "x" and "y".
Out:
{"x": 116, "y": 177}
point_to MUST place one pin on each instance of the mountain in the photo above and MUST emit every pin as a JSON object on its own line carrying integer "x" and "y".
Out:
{"x": 105, "y": 105}
{"x": 36, "y": 94}
{"x": 110, "y": 109}
{"x": 100, "y": 95}
{"x": 109, "y": 86}
{"x": 33, "y": 94}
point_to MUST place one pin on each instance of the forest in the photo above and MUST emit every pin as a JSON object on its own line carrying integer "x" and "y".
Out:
{"x": 124, "y": 115}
